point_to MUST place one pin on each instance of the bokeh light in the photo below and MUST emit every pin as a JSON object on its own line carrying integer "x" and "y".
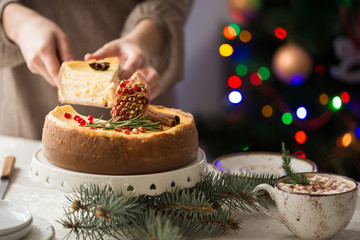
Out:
{"x": 229, "y": 32}
{"x": 300, "y": 154}
{"x": 320, "y": 69}
{"x": 255, "y": 79}
{"x": 244, "y": 148}
{"x": 344, "y": 97}
{"x": 226, "y": 50}
{"x": 346, "y": 139}
{"x": 336, "y": 103}
{"x": 357, "y": 131}
{"x": 236, "y": 28}
{"x": 300, "y": 137}
{"x": 324, "y": 99}
{"x": 241, "y": 70}
{"x": 245, "y": 36}
{"x": 301, "y": 112}
{"x": 267, "y": 111}
{"x": 235, "y": 97}
{"x": 264, "y": 73}
{"x": 234, "y": 82}
{"x": 280, "y": 33}
{"x": 287, "y": 118}
{"x": 297, "y": 79}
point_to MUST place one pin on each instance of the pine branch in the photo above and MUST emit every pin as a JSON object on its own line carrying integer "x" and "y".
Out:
{"x": 157, "y": 227}
{"x": 234, "y": 191}
{"x": 106, "y": 213}
{"x": 294, "y": 177}
{"x": 205, "y": 209}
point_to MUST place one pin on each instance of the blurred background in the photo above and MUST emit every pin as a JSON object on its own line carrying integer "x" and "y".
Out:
{"x": 258, "y": 73}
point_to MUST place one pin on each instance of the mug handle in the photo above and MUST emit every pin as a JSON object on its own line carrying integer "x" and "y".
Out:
{"x": 268, "y": 188}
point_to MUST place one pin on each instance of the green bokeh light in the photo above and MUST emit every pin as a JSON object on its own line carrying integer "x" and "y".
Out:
{"x": 244, "y": 148}
{"x": 287, "y": 118}
{"x": 236, "y": 28}
{"x": 241, "y": 70}
{"x": 264, "y": 72}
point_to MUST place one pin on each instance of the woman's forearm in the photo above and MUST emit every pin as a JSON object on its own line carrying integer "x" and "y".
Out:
{"x": 147, "y": 34}
{"x": 13, "y": 18}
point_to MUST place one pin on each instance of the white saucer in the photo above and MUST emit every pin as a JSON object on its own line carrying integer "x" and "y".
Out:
{"x": 13, "y": 218}
{"x": 260, "y": 162}
{"x": 41, "y": 229}
{"x": 18, "y": 234}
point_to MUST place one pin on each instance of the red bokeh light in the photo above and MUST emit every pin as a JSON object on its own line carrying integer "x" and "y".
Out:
{"x": 234, "y": 82}
{"x": 280, "y": 33}
{"x": 300, "y": 137}
{"x": 300, "y": 154}
{"x": 345, "y": 97}
{"x": 255, "y": 79}
{"x": 320, "y": 69}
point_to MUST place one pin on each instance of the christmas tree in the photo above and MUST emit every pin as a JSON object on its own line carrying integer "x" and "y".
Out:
{"x": 292, "y": 76}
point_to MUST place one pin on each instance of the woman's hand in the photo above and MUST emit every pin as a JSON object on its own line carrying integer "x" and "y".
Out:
{"x": 134, "y": 51}
{"x": 43, "y": 44}
{"x": 132, "y": 59}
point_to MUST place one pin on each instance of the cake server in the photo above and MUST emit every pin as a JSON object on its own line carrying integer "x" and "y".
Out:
{"x": 5, "y": 175}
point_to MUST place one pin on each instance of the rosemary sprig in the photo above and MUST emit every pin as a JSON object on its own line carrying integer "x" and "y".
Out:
{"x": 294, "y": 177}
{"x": 131, "y": 123}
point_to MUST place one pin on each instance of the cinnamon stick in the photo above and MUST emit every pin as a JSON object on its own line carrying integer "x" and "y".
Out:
{"x": 166, "y": 119}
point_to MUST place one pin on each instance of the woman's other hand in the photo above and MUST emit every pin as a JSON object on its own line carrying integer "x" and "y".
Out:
{"x": 42, "y": 43}
{"x": 134, "y": 51}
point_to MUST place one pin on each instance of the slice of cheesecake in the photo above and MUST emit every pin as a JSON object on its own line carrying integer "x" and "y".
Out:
{"x": 91, "y": 83}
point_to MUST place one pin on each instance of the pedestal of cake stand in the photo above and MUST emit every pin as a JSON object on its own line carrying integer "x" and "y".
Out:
{"x": 151, "y": 184}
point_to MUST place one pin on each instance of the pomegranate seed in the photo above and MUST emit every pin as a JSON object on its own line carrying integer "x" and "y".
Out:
{"x": 93, "y": 128}
{"x": 161, "y": 127}
{"x": 142, "y": 129}
{"x": 67, "y": 115}
{"x": 122, "y": 84}
{"x": 135, "y": 131}
{"x": 131, "y": 91}
{"x": 136, "y": 87}
{"x": 126, "y": 128}
{"x": 127, "y": 131}
{"x": 118, "y": 129}
{"x": 76, "y": 117}
{"x": 91, "y": 118}
{"x": 91, "y": 122}
{"x": 82, "y": 122}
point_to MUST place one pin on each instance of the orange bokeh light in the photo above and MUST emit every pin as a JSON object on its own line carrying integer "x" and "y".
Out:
{"x": 229, "y": 32}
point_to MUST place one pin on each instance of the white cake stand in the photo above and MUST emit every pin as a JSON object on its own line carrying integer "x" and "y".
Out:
{"x": 151, "y": 184}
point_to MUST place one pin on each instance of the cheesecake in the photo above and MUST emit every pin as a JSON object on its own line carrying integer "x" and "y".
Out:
{"x": 72, "y": 141}
{"x": 91, "y": 83}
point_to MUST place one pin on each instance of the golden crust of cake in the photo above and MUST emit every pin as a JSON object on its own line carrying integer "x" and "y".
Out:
{"x": 70, "y": 146}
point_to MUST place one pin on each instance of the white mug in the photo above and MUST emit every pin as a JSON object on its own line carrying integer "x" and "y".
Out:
{"x": 311, "y": 216}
